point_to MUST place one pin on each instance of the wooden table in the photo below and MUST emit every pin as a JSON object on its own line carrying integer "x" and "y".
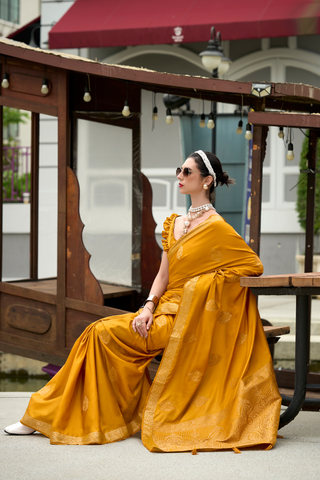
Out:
{"x": 302, "y": 286}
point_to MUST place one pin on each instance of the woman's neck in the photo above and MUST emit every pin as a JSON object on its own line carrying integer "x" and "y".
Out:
{"x": 198, "y": 200}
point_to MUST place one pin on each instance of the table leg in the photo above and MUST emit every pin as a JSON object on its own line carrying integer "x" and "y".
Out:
{"x": 301, "y": 361}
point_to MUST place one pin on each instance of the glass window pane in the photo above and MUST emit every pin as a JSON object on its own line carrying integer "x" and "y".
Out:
{"x": 104, "y": 171}
{"x": 266, "y": 188}
{"x": 290, "y": 189}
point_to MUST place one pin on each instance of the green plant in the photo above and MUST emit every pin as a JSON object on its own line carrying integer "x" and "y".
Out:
{"x": 19, "y": 184}
{"x": 301, "y": 205}
{"x": 13, "y": 116}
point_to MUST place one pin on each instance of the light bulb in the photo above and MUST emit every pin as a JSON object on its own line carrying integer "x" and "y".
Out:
{"x": 86, "y": 96}
{"x": 210, "y": 123}
{"x": 155, "y": 114}
{"x": 169, "y": 118}
{"x": 239, "y": 129}
{"x": 44, "y": 88}
{"x": 280, "y": 133}
{"x": 5, "y": 81}
{"x": 248, "y": 134}
{"x": 290, "y": 155}
{"x": 202, "y": 123}
{"x": 126, "y": 110}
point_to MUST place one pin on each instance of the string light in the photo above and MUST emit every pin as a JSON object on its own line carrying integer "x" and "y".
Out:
{"x": 5, "y": 81}
{"x": 87, "y": 96}
{"x": 210, "y": 123}
{"x": 248, "y": 134}
{"x": 281, "y": 133}
{"x": 239, "y": 129}
{"x": 44, "y": 88}
{"x": 290, "y": 154}
{"x": 126, "y": 110}
{"x": 169, "y": 118}
{"x": 202, "y": 123}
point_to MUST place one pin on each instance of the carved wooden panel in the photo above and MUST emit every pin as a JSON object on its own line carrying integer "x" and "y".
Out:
{"x": 29, "y": 319}
{"x": 81, "y": 283}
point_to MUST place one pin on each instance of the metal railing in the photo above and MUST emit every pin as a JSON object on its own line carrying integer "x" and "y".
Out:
{"x": 16, "y": 174}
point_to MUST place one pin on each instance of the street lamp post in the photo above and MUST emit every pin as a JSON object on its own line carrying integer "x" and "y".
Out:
{"x": 216, "y": 62}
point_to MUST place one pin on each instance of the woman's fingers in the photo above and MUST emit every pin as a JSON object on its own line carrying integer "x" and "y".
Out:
{"x": 142, "y": 325}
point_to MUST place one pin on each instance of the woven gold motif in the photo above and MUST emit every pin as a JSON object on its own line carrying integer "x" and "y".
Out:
{"x": 112, "y": 374}
{"x": 224, "y": 317}
{"x": 180, "y": 252}
{"x": 166, "y": 406}
{"x": 232, "y": 278}
{"x": 214, "y": 359}
{"x": 211, "y": 305}
{"x": 233, "y": 383}
{"x": 242, "y": 337}
{"x": 189, "y": 338}
{"x": 105, "y": 337}
{"x": 85, "y": 404}
{"x": 216, "y": 256}
{"x": 44, "y": 390}
{"x": 200, "y": 401}
{"x": 195, "y": 376}
{"x": 161, "y": 320}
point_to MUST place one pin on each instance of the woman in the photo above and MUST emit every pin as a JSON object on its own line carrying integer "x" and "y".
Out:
{"x": 215, "y": 387}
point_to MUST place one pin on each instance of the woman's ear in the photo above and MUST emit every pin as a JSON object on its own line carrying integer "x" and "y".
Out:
{"x": 209, "y": 180}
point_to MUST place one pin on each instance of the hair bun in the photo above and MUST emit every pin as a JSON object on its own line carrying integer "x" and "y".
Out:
{"x": 225, "y": 179}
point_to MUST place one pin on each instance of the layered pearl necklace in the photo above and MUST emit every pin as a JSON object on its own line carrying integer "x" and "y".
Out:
{"x": 198, "y": 212}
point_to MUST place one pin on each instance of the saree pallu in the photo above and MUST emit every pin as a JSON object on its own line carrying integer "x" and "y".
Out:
{"x": 215, "y": 387}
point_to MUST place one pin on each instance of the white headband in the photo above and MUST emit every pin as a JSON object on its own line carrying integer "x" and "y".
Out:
{"x": 208, "y": 165}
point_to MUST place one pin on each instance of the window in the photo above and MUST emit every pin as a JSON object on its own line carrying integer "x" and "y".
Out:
{"x": 9, "y": 10}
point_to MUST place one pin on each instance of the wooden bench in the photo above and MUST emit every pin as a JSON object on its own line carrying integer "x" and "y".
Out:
{"x": 302, "y": 286}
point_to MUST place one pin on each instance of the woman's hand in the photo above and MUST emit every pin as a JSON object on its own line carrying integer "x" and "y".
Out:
{"x": 143, "y": 322}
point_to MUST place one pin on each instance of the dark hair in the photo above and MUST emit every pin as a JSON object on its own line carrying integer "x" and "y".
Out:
{"x": 222, "y": 177}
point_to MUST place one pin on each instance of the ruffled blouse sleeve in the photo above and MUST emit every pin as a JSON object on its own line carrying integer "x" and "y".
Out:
{"x": 167, "y": 231}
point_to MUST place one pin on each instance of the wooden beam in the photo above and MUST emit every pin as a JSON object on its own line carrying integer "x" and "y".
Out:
{"x": 63, "y": 154}
{"x": 1, "y": 190}
{"x": 284, "y": 119}
{"x": 34, "y": 225}
{"x": 258, "y": 153}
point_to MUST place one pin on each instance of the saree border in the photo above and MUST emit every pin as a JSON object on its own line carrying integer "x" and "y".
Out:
{"x": 99, "y": 437}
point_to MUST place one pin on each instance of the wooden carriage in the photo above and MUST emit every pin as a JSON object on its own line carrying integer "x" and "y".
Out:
{"x": 41, "y": 318}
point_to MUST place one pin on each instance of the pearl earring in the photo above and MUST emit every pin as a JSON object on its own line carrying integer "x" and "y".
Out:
{"x": 205, "y": 187}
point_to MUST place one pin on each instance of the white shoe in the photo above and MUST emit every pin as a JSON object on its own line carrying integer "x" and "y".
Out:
{"x": 19, "y": 429}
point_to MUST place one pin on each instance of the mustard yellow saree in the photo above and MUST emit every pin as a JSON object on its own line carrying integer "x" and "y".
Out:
{"x": 215, "y": 387}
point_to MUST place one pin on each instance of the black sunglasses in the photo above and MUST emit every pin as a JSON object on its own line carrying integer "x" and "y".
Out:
{"x": 185, "y": 171}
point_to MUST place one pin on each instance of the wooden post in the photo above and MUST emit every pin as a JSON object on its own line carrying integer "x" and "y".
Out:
{"x": 258, "y": 153}
{"x": 311, "y": 199}
{"x": 63, "y": 154}
{"x": 1, "y": 190}
{"x": 34, "y": 196}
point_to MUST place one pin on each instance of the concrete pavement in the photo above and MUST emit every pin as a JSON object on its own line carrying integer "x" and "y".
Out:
{"x": 32, "y": 457}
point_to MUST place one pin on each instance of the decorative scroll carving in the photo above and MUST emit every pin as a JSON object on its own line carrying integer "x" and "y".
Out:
{"x": 150, "y": 250}
{"x": 81, "y": 283}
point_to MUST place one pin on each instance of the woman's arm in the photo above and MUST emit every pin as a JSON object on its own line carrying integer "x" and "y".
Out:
{"x": 158, "y": 288}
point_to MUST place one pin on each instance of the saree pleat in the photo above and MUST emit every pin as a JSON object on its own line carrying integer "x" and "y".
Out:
{"x": 215, "y": 387}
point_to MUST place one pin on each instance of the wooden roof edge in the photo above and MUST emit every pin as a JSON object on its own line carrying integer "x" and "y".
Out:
{"x": 75, "y": 63}
{"x": 285, "y": 119}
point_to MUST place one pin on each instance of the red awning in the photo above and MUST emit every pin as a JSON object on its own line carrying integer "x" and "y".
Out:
{"x": 105, "y": 23}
